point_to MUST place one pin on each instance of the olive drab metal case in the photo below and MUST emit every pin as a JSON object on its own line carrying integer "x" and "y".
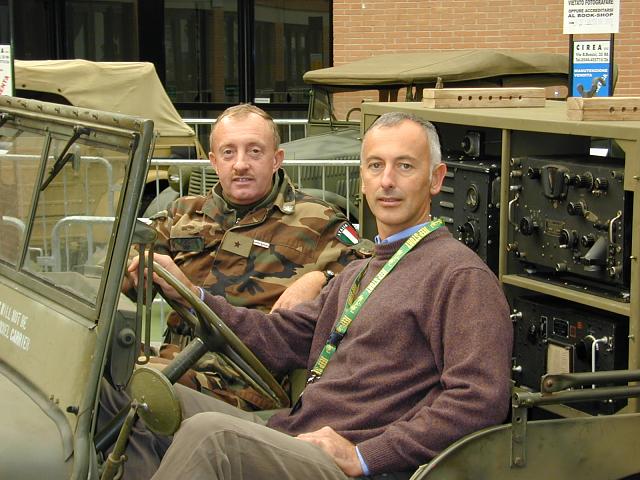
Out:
{"x": 469, "y": 203}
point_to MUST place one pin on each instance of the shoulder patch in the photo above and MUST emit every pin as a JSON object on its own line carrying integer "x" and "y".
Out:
{"x": 347, "y": 234}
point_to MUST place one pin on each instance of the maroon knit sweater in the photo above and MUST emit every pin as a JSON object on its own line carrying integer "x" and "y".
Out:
{"x": 426, "y": 361}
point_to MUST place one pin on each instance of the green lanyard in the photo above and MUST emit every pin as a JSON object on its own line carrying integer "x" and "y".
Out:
{"x": 352, "y": 307}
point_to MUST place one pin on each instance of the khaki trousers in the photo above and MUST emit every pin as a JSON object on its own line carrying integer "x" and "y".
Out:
{"x": 218, "y": 441}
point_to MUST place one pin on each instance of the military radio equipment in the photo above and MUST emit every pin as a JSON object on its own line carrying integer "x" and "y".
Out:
{"x": 468, "y": 202}
{"x": 570, "y": 220}
{"x": 555, "y": 336}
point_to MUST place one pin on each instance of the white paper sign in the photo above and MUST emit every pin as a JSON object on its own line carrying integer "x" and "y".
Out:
{"x": 591, "y": 16}
{"x": 6, "y": 72}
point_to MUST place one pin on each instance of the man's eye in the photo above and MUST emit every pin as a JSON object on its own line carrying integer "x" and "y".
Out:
{"x": 405, "y": 166}
{"x": 375, "y": 165}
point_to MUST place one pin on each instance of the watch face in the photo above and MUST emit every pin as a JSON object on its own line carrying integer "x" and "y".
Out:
{"x": 329, "y": 274}
{"x": 472, "y": 199}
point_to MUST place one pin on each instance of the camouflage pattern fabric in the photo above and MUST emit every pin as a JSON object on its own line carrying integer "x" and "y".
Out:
{"x": 250, "y": 260}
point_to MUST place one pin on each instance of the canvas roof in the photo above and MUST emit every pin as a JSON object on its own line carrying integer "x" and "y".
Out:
{"x": 131, "y": 88}
{"x": 450, "y": 65}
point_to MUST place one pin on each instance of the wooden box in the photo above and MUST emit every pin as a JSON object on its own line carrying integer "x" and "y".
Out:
{"x": 603, "y": 108}
{"x": 483, "y": 97}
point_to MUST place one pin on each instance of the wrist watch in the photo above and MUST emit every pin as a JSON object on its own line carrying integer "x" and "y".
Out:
{"x": 328, "y": 275}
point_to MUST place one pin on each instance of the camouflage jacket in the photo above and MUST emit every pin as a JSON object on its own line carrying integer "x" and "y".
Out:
{"x": 251, "y": 260}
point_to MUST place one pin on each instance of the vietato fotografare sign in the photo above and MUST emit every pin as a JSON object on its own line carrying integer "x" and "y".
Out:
{"x": 591, "y": 16}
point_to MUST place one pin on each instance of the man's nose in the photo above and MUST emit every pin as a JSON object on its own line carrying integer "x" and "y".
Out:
{"x": 388, "y": 178}
{"x": 240, "y": 164}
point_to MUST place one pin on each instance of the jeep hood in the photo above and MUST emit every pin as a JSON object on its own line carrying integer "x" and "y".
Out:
{"x": 339, "y": 145}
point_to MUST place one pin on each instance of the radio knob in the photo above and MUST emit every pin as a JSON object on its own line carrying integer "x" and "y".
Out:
{"x": 601, "y": 184}
{"x": 469, "y": 235}
{"x": 533, "y": 173}
{"x": 576, "y": 208}
{"x": 584, "y": 180}
{"x": 528, "y": 226}
{"x": 614, "y": 271}
{"x": 532, "y": 334}
{"x": 567, "y": 239}
{"x": 587, "y": 240}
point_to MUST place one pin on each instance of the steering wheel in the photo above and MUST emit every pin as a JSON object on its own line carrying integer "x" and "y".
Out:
{"x": 212, "y": 334}
{"x": 217, "y": 336}
{"x": 351, "y": 110}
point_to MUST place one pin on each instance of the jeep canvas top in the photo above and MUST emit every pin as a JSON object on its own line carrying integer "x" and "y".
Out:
{"x": 128, "y": 88}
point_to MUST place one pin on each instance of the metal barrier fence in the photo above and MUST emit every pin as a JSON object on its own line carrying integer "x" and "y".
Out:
{"x": 335, "y": 181}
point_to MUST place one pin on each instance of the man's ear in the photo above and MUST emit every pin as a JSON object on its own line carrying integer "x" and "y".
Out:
{"x": 213, "y": 162}
{"x": 278, "y": 158}
{"x": 437, "y": 177}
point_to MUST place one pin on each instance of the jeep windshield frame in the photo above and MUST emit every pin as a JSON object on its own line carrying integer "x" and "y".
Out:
{"x": 52, "y": 224}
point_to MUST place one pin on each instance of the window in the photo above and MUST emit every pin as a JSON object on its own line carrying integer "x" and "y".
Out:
{"x": 100, "y": 30}
{"x": 290, "y": 38}
{"x": 201, "y": 51}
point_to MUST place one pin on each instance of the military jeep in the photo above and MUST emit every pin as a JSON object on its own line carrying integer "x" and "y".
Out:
{"x": 65, "y": 327}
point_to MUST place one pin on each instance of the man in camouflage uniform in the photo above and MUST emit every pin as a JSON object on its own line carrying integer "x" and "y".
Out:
{"x": 250, "y": 238}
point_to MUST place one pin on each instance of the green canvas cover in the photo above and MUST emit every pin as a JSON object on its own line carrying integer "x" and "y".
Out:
{"x": 129, "y": 88}
{"x": 451, "y": 66}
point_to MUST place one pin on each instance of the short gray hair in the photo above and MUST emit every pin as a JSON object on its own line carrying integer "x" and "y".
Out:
{"x": 393, "y": 119}
{"x": 243, "y": 111}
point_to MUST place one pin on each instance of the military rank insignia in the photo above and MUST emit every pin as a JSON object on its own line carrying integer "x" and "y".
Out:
{"x": 347, "y": 234}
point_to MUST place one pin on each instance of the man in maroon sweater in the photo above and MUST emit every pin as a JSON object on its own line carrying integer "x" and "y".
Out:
{"x": 418, "y": 360}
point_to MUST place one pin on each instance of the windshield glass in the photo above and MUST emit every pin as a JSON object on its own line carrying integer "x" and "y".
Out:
{"x": 344, "y": 106}
{"x": 59, "y": 188}
{"x": 16, "y": 183}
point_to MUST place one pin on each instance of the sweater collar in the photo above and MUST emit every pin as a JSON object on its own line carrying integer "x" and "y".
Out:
{"x": 384, "y": 251}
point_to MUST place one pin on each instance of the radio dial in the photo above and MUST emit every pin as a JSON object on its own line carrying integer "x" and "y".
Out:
{"x": 587, "y": 240}
{"x": 567, "y": 239}
{"x": 469, "y": 235}
{"x": 528, "y": 226}
{"x": 576, "y": 208}
{"x": 601, "y": 184}
{"x": 583, "y": 180}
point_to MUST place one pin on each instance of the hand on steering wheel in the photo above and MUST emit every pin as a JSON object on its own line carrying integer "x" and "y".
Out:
{"x": 212, "y": 330}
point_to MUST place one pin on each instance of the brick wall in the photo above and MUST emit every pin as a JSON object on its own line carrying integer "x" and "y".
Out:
{"x": 368, "y": 27}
